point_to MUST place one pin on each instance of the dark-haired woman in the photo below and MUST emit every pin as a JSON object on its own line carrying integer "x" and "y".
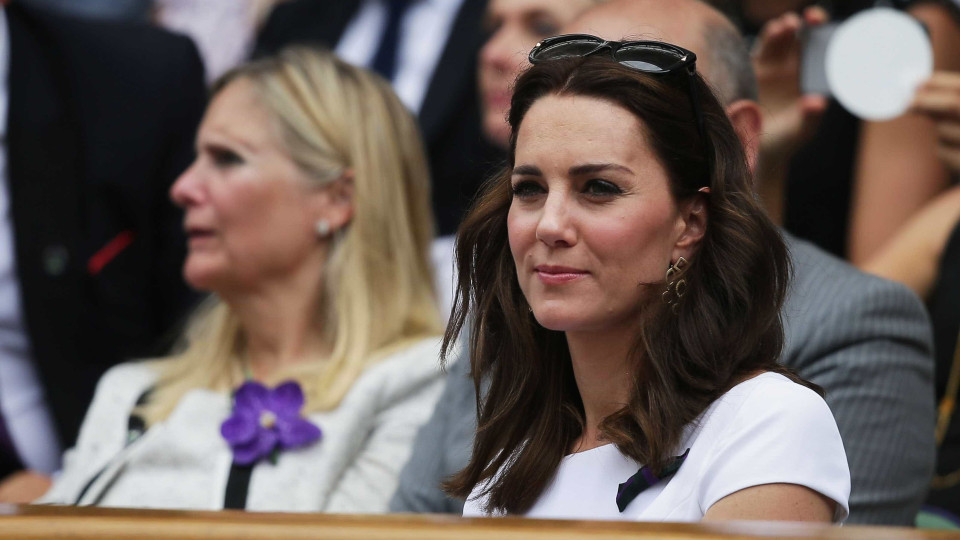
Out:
{"x": 626, "y": 289}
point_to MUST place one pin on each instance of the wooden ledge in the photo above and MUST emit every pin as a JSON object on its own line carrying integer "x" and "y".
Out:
{"x": 29, "y": 522}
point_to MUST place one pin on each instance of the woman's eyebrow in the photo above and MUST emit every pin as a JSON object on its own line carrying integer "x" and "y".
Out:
{"x": 527, "y": 170}
{"x": 592, "y": 168}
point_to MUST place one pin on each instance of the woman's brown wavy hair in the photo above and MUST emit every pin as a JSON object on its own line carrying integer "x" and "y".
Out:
{"x": 727, "y": 325}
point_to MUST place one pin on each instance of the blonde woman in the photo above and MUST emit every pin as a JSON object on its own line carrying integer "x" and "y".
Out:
{"x": 305, "y": 377}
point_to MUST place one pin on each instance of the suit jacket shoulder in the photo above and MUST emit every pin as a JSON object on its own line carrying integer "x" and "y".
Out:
{"x": 831, "y": 302}
{"x": 867, "y": 342}
{"x": 305, "y": 21}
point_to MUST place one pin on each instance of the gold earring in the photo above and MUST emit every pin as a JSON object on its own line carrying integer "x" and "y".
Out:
{"x": 676, "y": 288}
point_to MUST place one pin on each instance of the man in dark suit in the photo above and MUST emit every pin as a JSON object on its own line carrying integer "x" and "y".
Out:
{"x": 449, "y": 116}
{"x": 101, "y": 120}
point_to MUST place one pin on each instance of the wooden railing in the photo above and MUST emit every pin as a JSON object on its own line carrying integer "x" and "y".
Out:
{"x": 30, "y": 522}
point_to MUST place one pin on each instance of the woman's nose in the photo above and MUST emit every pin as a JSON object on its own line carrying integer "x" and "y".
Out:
{"x": 186, "y": 190}
{"x": 556, "y": 226}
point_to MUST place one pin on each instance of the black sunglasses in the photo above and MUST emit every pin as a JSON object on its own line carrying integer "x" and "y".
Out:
{"x": 654, "y": 57}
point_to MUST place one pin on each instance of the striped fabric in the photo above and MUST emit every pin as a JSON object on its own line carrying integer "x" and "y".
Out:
{"x": 868, "y": 343}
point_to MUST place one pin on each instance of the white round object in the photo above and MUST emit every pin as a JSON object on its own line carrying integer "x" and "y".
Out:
{"x": 876, "y": 60}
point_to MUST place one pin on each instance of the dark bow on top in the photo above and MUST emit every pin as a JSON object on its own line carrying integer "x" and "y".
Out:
{"x": 644, "y": 478}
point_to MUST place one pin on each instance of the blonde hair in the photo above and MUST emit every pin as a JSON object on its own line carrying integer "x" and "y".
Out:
{"x": 378, "y": 288}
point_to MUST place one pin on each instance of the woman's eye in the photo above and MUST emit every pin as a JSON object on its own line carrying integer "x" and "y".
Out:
{"x": 225, "y": 158}
{"x": 491, "y": 27}
{"x": 543, "y": 26}
{"x": 525, "y": 189}
{"x": 601, "y": 188}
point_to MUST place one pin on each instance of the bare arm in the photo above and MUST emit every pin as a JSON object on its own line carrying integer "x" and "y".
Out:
{"x": 24, "y": 487}
{"x": 897, "y": 169}
{"x": 913, "y": 254}
{"x": 773, "y": 502}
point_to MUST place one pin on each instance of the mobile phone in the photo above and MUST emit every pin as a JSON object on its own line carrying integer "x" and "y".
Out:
{"x": 813, "y": 71}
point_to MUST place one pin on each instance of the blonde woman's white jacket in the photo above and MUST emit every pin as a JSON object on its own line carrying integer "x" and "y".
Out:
{"x": 183, "y": 462}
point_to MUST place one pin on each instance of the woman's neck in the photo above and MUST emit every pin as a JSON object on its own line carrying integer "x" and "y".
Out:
{"x": 604, "y": 375}
{"x": 280, "y": 325}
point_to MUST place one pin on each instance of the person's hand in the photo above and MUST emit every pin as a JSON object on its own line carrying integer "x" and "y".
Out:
{"x": 23, "y": 487}
{"x": 939, "y": 98}
{"x": 790, "y": 117}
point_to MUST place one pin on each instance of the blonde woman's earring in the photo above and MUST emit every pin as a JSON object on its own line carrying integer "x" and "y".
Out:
{"x": 323, "y": 228}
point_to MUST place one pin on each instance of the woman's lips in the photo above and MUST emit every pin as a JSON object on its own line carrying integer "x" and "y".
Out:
{"x": 558, "y": 275}
{"x": 199, "y": 236}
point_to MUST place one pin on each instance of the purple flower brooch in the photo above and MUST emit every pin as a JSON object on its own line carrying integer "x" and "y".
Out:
{"x": 266, "y": 421}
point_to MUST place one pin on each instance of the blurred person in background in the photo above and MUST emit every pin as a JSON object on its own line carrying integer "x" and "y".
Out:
{"x": 305, "y": 377}
{"x": 514, "y": 27}
{"x": 116, "y": 10}
{"x": 865, "y": 340}
{"x": 844, "y": 184}
{"x": 925, "y": 256}
{"x": 428, "y": 50}
{"x": 224, "y": 30}
{"x": 97, "y": 119}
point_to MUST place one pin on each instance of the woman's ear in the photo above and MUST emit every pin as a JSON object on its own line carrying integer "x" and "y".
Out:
{"x": 335, "y": 202}
{"x": 693, "y": 224}
{"x": 747, "y": 120}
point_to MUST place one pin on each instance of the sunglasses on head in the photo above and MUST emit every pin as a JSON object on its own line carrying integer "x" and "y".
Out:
{"x": 655, "y": 57}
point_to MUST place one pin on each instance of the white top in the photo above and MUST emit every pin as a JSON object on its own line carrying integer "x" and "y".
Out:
{"x": 183, "y": 462}
{"x": 424, "y": 32}
{"x": 22, "y": 400}
{"x": 764, "y": 430}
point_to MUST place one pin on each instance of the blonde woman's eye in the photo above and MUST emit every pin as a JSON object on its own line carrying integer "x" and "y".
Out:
{"x": 225, "y": 158}
{"x": 544, "y": 26}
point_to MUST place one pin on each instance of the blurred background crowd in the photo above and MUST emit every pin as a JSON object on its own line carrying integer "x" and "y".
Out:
{"x": 103, "y": 99}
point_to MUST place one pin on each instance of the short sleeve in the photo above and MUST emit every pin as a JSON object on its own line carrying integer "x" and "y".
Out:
{"x": 781, "y": 432}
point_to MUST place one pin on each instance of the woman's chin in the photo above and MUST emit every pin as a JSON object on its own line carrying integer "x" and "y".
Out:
{"x": 200, "y": 278}
{"x": 558, "y": 321}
